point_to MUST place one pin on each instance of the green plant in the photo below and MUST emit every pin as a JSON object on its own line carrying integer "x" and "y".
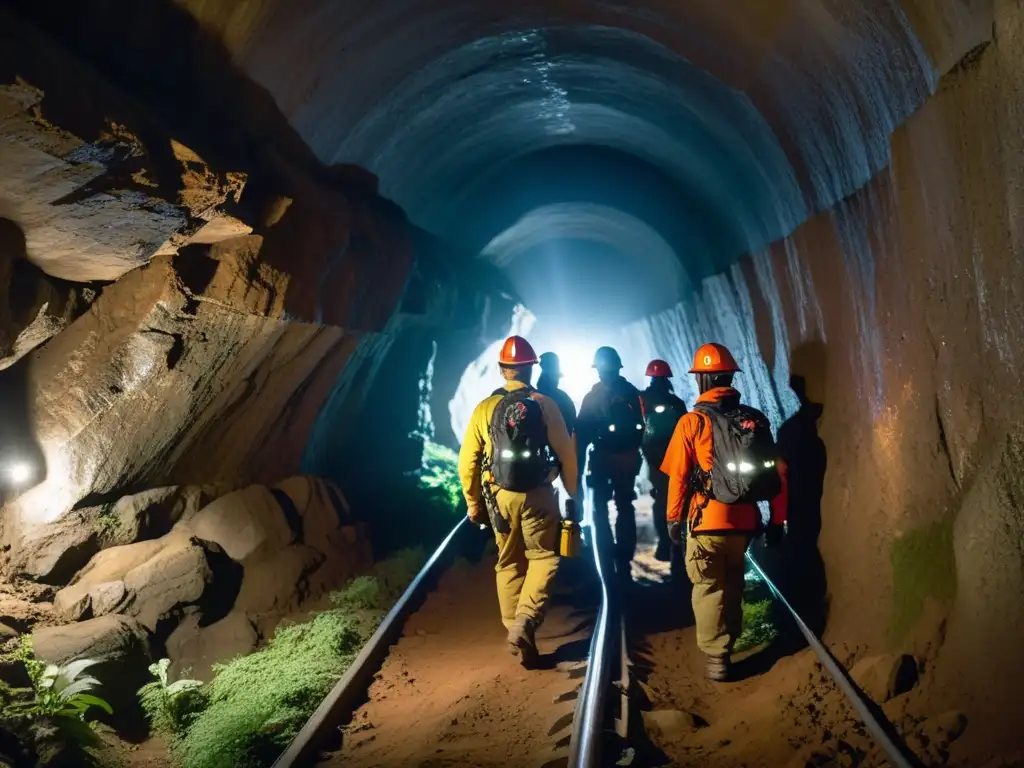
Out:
{"x": 440, "y": 472}
{"x": 758, "y": 614}
{"x": 257, "y": 703}
{"x": 758, "y": 628}
{"x": 107, "y": 522}
{"x": 49, "y": 717}
{"x": 171, "y": 707}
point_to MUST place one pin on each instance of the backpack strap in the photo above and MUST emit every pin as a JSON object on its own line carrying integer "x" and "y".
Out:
{"x": 508, "y": 393}
{"x": 699, "y": 480}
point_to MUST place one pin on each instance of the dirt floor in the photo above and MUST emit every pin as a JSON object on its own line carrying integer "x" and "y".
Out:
{"x": 450, "y": 694}
{"x": 783, "y": 709}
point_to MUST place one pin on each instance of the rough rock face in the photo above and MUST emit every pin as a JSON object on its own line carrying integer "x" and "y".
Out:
{"x": 152, "y": 513}
{"x": 43, "y": 166}
{"x": 33, "y": 306}
{"x": 243, "y": 522}
{"x": 243, "y": 560}
{"x": 152, "y": 581}
{"x": 172, "y": 348}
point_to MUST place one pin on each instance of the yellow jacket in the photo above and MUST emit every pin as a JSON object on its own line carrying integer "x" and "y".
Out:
{"x": 477, "y": 444}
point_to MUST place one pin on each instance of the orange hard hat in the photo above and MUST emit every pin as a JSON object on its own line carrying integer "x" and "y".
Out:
{"x": 658, "y": 368}
{"x": 517, "y": 351}
{"x": 714, "y": 358}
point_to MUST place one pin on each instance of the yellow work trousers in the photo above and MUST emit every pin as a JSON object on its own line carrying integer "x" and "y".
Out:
{"x": 528, "y": 552}
{"x": 715, "y": 566}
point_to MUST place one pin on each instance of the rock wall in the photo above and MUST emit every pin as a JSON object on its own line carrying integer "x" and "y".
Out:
{"x": 215, "y": 584}
{"x": 903, "y": 310}
{"x": 161, "y": 344}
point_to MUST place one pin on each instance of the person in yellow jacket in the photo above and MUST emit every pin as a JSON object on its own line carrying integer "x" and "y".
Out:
{"x": 506, "y": 470}
{"x": 719, "y": 526}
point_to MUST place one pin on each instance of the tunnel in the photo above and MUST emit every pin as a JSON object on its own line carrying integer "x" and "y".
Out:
{"x": 258, "y": 261}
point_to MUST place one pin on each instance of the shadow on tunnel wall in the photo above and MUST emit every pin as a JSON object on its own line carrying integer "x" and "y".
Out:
{"x": 801, "y": 447}
{"x": 797, "y": 568}
{"x": 19, "y": 447}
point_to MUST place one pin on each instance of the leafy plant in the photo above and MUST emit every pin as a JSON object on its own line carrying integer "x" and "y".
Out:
{"x": 258, "y": 703}
{"x": 440, "y": 472}
{"x": 758, "y": 614}
{"x": 49, "y": 717}
{"x": 171, "y": 707}
{"x": 758, "y": 628}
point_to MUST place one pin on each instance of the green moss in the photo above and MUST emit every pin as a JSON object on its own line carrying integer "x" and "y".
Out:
{"x": 258, "y": 703}
{"x": 758, "y": 616}
{"x": 923, "y": 566}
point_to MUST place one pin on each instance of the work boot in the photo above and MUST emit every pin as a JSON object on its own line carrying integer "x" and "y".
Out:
{"x": 521, "y": 641}
{"x": 663, "y": 553}
{"x": 717, "y": 668}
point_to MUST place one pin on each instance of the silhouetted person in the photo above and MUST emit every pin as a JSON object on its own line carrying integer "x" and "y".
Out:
{"x": 662, "y": 410}
{"x": 611, "y": 419}
{"x": 806, "y": 458}
{"x": 547, "y": 384}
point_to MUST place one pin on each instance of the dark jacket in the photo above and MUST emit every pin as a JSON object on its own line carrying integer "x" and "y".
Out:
{"x": 593, "y": 416}
{"x": 549, "y": 388}
{"x": 660, "y": 424}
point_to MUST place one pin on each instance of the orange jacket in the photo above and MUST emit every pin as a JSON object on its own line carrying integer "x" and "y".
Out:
{"x": 690, "y": 444}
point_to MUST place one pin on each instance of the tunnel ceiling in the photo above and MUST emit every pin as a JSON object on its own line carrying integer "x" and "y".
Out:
{"x": 756, "y": 112}
{"x": 741, "y": 119}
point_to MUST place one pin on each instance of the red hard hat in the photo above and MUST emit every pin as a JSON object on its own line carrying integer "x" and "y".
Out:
{"x": 517, "y": 351}
{"x": 658, "y": 368}
{"x": 714, "y": 358}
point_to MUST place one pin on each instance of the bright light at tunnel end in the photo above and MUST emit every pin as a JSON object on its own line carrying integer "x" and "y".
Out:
{"x": 576, "y": 362}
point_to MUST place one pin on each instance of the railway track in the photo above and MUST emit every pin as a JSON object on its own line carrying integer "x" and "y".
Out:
{"x": 602, "y": 723}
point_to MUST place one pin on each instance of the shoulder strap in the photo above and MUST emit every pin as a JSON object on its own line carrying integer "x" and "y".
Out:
{"x": 513, "y": 394}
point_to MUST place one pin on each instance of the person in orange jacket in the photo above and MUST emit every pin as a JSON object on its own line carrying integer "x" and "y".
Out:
{"x": 721, "y": 460}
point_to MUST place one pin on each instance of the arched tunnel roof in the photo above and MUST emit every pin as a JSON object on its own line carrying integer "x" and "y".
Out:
{"x": 758, "y": 112}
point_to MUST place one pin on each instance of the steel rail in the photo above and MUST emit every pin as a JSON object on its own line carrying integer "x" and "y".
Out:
{"x": 586, "y": 739}
{"x": 842, "y": 679}
{"x": 347, "y": 693}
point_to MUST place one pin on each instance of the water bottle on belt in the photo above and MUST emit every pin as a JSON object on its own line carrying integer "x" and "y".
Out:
{"x": 569, "y": 543}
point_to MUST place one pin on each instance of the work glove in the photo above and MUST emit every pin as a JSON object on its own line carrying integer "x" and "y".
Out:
{"x": 675, "y": 532}
{"x": 477, "y": 515}
{"x": 773, "y": 535}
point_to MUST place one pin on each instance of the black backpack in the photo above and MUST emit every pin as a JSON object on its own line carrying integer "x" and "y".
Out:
{"x": 624, "y": 427}
{"x": 661, "y": 414}
{"x": 520, "y": 459}
{"x": 743, "y": 455}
